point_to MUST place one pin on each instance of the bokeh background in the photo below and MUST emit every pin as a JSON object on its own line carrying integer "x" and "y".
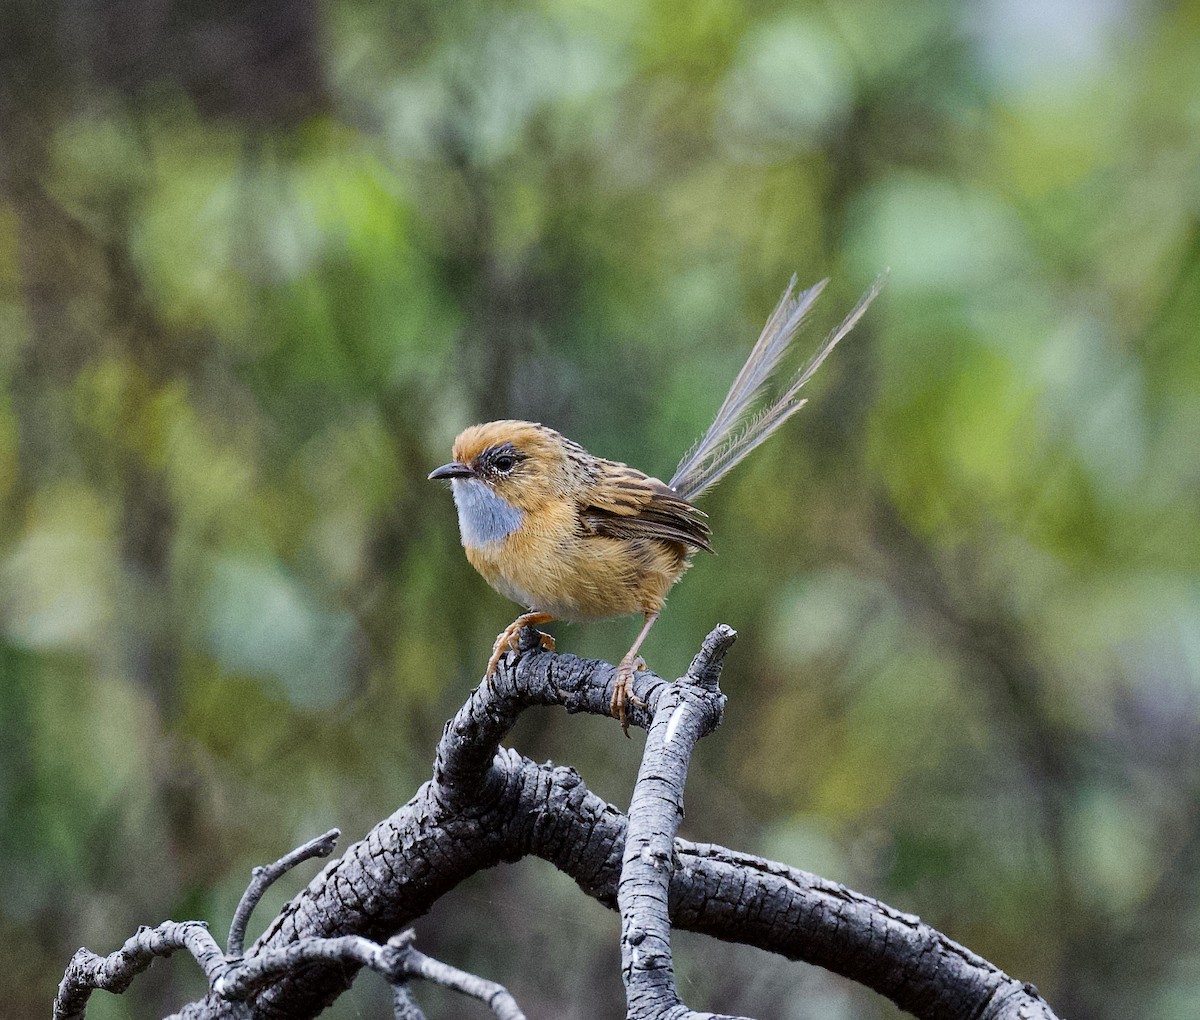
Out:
{"x": 260, "y": 261}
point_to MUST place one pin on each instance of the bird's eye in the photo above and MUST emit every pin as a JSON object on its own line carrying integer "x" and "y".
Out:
{"x": 504, "y": 463}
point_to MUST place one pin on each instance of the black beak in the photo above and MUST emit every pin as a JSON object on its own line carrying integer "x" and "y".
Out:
{"x": 454, "y": 469}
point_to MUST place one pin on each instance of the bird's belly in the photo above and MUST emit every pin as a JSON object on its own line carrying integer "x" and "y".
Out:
{"x": 585, "y": 579}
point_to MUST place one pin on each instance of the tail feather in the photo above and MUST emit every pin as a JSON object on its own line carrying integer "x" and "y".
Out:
{"x": 735, "y": 432}
{"x": 763, "y": 359}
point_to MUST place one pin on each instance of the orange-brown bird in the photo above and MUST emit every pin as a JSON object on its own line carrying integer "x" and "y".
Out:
{"x": 575, "y": 537}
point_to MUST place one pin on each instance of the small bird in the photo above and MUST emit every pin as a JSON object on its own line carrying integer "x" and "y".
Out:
{"x": 575, "y": 537}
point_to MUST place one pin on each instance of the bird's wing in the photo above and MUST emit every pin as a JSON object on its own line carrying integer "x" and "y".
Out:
{"x": 624, "y": 503}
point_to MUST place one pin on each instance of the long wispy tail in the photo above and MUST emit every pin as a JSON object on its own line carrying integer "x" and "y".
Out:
{"x": 737, "y": 428}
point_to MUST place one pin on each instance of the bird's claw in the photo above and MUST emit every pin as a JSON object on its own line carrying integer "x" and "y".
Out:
{"x": 509, "y": 641}
{"x": 623, "y": 696}
{"x": 506, "y": 640}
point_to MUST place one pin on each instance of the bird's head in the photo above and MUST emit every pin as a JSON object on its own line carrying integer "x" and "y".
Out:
{"x": 503, "y": 470}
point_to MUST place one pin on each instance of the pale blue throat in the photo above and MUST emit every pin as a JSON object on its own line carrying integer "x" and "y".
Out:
{"x": 483, "y": 517}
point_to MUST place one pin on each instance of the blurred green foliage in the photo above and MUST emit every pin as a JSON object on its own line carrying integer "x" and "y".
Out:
{"x": 260, "y": 262}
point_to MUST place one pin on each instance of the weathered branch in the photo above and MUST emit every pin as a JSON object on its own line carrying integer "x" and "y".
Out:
{"x": 234, "y": 978}
{"x": 487, "y": 804}
{"x": 88, "y": 972}
{"x": 397, "y": 961}
{"x": 689, "y": 710}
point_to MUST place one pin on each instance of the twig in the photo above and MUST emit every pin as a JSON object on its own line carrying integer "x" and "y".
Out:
{"x": 417, "y": 964}
{"x": 396, "y": 961}
{"x": 115, "y": 972}
{"x": 687, "y": 711}
{"x": 264, "y": 877}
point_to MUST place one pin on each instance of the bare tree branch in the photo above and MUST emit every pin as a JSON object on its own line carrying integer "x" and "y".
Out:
{"x": 397, "y": 961}
{"x": 234, "y": 978}
{"x": 691, "y": 709}
{"x": 487, "y": 804}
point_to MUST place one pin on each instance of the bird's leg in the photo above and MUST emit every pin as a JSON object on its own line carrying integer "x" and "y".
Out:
{"x": 630, "y": 663}
{"x": 507, "y": 639}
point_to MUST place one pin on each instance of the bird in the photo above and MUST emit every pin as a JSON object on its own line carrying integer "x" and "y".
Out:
{"x": 575, "y": 537}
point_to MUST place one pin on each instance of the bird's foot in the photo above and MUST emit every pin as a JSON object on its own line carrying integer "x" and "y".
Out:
{"x": 508, "y": 639}
{"x": 623, "y": 695}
